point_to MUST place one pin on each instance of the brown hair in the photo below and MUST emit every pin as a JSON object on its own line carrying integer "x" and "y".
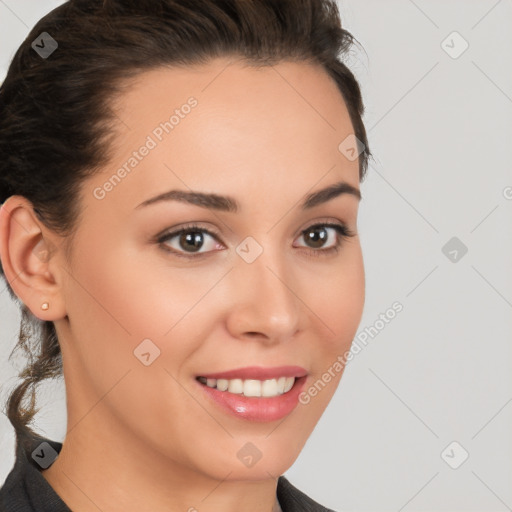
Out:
{"x": 56, "y": 116}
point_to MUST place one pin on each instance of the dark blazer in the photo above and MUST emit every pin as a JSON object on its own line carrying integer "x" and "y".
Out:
{"x": 26, "y": 490}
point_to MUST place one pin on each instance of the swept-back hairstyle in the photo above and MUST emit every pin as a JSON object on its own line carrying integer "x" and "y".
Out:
{"x": 56, "y": 116}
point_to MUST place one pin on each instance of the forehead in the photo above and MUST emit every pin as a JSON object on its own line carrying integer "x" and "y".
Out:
{"x": 252, "y": 129}
{"x": 238, "y": 80}
{"x": 298, "y": 96}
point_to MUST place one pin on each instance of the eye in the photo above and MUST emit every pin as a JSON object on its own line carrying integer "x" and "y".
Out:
{"x": 318, "y": 234}
{"x": 190, "y": 240}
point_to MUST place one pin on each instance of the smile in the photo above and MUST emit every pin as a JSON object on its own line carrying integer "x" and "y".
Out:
{"x": 251, "y": 387}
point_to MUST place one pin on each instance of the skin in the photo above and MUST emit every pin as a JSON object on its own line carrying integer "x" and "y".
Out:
{"x": 267, "y": 137}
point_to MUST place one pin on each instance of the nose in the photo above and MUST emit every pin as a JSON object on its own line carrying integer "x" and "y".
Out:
{"x": 265, "y": 305}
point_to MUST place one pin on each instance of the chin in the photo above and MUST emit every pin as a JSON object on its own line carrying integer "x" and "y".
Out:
{"x": 256, "y": 459}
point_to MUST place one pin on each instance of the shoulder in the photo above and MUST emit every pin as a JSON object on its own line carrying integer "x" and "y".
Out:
{"x": 292, "y": 499}
{"x": 25, "y": 489}
{"x": 13, "y": 492}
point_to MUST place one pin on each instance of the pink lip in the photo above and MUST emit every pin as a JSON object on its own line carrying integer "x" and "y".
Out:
{"x": 258, "y": 409}
{"x": 258, "y": 373}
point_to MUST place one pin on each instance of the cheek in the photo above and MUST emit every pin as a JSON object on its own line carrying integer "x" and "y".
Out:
{"x": 136, "y": 296}
{"x": 339, "y": 302}
{"x": 114, "y": 303}
{"x": 118, "y": 304}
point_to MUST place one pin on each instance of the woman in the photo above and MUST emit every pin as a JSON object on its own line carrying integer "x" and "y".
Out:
{"x": 180, "y": 188}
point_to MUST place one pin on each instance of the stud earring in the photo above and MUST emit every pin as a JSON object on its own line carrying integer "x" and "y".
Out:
{"x": 45, "y": 305}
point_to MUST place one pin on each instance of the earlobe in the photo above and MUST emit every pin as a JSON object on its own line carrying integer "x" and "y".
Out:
{"x": 26, "y": 252}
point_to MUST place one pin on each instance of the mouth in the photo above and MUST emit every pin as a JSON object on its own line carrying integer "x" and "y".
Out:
{"x": 267, "y": 388}
{"x": 255, "y": 381}
{"x": 255, "y": 394}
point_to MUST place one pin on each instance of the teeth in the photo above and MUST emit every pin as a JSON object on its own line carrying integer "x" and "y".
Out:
{"x": 222, "y": 384}
{"x": 288, "y": 383}
{"x": 251, "y": 387}
{"x": 236, "y": 386}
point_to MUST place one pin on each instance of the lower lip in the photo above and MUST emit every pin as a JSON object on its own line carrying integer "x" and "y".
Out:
{"x": 257, "y": 408}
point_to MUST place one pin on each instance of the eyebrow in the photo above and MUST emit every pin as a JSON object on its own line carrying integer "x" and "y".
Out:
{"x": 229, "y": 204}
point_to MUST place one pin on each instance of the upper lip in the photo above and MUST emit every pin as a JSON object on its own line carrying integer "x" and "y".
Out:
{"x": 258, "y": 373}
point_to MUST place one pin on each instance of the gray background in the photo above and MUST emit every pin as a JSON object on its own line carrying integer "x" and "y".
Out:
{"x": 440, "y": 127}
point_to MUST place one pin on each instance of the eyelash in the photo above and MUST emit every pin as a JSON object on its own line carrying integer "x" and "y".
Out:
{"x": 342, "y": 230}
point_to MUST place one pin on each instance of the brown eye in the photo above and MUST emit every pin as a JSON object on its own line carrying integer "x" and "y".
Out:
{"x": 189, "y": 241}
{"x": 316, "y": 236}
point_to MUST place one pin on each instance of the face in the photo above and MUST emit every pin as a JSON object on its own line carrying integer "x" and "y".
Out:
{"x": 271, "y": 283}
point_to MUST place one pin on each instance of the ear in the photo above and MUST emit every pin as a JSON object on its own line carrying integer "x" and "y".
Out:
{"x": 27, "y": 252}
